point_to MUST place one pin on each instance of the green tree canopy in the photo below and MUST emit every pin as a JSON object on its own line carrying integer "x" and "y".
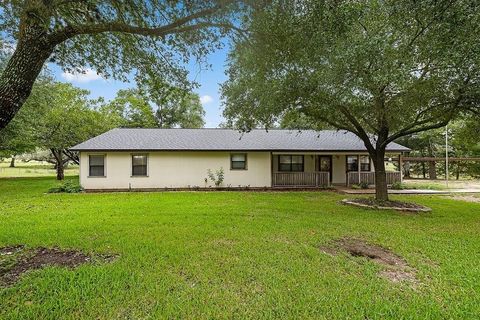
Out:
{"x": 56, "y": 116}
{"x": 69, "y": 119}
{"x": 380, "y": 69}
{"x": 463, "y": 142}
{"x": 466, "y": 142}
{"x": 150, "y": 39}
{"x": 130, "y": 109}
{"x": 20, "y": 135}
{"x": 156, "y": 105}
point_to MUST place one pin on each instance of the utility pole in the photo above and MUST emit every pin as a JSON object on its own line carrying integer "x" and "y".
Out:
{"x": 446, "y": 155}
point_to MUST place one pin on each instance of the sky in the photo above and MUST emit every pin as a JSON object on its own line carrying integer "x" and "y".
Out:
{"x": 209, "y": 84}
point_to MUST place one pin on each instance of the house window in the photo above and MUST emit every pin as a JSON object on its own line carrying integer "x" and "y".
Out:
{"x": 96, "y": 164}
{"x": 290, "y": 163}
{"x": 365, "y": 163}
{"x": 352, "y": 163}
{"x": 238, "y": 161}
{"x": 139, "y": 165}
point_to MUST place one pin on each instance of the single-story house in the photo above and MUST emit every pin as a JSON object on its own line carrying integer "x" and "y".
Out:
{"x": 123, "y": 159}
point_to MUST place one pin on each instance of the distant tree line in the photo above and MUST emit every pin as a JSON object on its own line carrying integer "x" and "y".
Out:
{"x": 463, "y": 142}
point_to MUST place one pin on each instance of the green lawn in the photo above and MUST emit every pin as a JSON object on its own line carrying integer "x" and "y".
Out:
{"x": 32, "y": 169}
{"x": 191, "y": 255}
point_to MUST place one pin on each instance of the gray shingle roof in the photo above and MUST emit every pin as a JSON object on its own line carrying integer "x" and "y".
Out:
{"x": 226, "y": 139}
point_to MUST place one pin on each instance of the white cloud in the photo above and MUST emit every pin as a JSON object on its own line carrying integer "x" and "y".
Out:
{"x": 86, "y": 76}
{"x": 206, "y": 99}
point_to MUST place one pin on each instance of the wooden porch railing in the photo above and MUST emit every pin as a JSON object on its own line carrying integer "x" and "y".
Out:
{"x": 369, "y": 177}
{"x": 301, "y": 179}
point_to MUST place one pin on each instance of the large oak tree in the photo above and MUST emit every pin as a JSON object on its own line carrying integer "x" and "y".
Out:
{"x": 382, "y": 69}
{"x": 156, "y": 105}
{"x": 116, "y": 38}
{"x": 68, "y": 119}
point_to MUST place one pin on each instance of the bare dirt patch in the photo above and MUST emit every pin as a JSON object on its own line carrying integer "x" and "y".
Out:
{"x": 389, "y": 205}
{"x": 17, "y": 260}
{"x": 396, "y": 268}
{"x": 11, "y": 250}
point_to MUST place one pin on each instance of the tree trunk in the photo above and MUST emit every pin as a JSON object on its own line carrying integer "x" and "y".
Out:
{"x": 381, "y": 190}
{"x": 23, "y": 68}
{"x": 60, "y": 172}
{"x": 424, "y": 171}
{"x": 12, "y": 162}
{"x": 59, "y": 163}
{"x": 432, "y": 172}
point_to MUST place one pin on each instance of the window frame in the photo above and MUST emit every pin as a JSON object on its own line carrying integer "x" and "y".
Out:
{"x": 245, "y": 162}
{"x": 291, "y": 162}
{"x": 369, "y": 163}
{"x": 346, "y": 162}
{"x": 104, "y": 165}
{"x": 146, "y": 155}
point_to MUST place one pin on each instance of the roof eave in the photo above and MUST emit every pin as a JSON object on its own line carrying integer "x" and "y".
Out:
{"x": 231, "y": 150}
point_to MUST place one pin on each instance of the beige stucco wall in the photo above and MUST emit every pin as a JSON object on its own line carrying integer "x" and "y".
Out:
{"x": 338, "y": 169}
{"x": 176, "y": 170}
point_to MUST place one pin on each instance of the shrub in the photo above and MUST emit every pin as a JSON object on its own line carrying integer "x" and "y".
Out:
{"x": 66, "y": 187}
{"x": 217, "y": 177}
{"x": 363, "y": 185}
{"x": 397, "y": 185}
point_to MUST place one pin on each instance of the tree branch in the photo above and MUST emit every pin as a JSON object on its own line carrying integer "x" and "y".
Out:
{"x": 449, "y": 114}
{"x": 73, "y": 156}
{"x": 403, "y": 133}
{"x": 178, "y": 26}
{"x": 360, "y": 132}
{"x": 329, "y": 121}
{"x": 363, "y": 27}
{"x": 429, "y": 24}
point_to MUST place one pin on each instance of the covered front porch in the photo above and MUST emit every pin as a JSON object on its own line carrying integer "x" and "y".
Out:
{"x": 320, "y": 170}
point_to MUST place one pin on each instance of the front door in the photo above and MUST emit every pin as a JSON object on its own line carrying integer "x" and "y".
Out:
{"x": 324, "y": 164}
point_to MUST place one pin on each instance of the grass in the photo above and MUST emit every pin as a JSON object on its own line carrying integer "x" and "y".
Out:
{"x": 441, "y": 184}
{"x": 32, "y": 169}
{"x": 192, "y": 255}
{"x": 425, "y": 185}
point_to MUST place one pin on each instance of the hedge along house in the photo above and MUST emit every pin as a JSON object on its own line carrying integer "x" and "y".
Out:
{"x": 125, "y": 159}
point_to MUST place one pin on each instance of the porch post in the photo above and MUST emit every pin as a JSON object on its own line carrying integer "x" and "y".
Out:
{"x": 271, "y": 171}
{"x": 400, "y": 166}
{"x": 358, "y": 168}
